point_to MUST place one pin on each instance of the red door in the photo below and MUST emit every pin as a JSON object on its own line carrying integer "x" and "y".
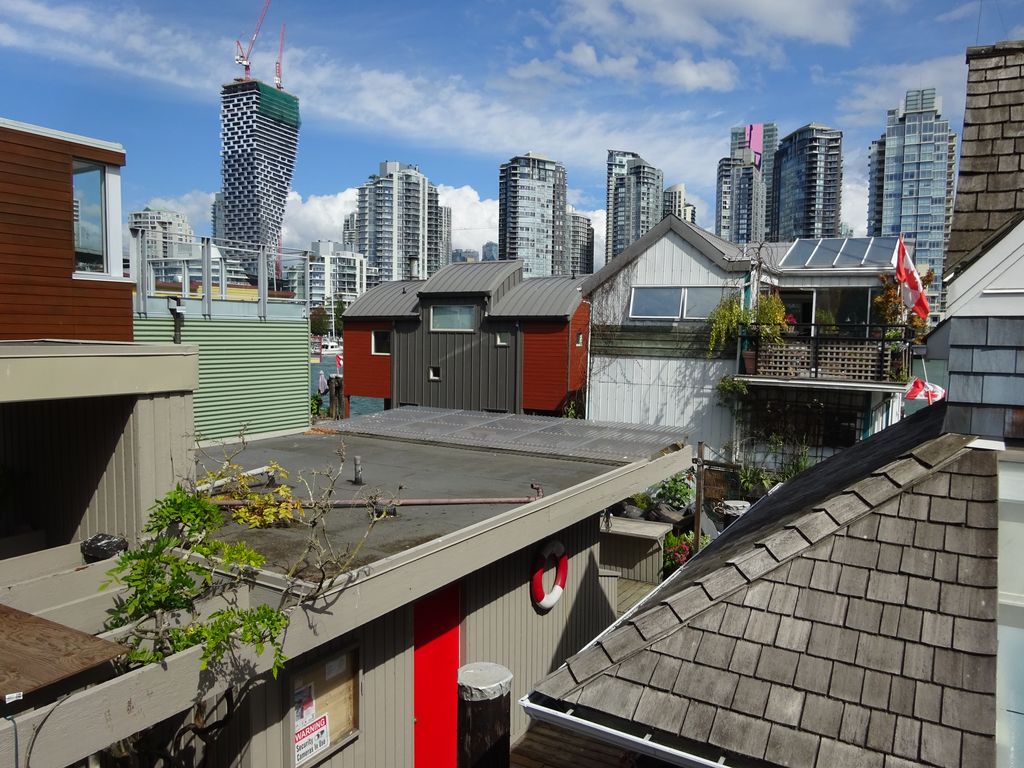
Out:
{"x": 436, "y": 620}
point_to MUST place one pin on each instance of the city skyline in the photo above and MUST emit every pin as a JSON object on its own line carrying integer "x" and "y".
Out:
{"x": 570, "y": 81}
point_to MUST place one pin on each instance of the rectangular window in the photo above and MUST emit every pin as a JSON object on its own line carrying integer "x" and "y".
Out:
{"x": 380, "y": 343}
{"x": 700, "y": 302}
{"x": 434, "y": 373}
{"x": 325, "y": 706}
{"x": 89, "y": 217}
{"x": 656, "y": 302}
{"x": 501, "y": 339}
{"x": 579, "y": 338}
{"x": 456, "y": 317}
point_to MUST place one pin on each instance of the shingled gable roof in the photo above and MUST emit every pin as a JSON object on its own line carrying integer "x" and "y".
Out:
{"x": 726, "y": 255}
{"x": 848, "y": 619}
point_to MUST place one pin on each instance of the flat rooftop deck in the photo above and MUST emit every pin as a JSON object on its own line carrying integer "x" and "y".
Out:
{"x": 436, "y": 466}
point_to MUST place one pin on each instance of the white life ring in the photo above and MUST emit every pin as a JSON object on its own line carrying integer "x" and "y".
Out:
{"x": 545, "y": 600}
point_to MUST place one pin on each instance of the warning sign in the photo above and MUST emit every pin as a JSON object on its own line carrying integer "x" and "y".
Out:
{"x": 312, "y": 739}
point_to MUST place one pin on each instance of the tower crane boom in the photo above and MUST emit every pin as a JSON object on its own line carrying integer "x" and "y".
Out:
{"x": 242, "y": 56}
{"x": 280, "y": 55}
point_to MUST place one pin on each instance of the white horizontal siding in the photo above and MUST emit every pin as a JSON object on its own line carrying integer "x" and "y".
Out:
{"x": 663, "y": 392}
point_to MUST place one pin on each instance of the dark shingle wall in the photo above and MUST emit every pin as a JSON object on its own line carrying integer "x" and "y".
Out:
{"x": 990, "y": 188}
{"x": 986, "y": 376}
{"x": 874, "y": 646}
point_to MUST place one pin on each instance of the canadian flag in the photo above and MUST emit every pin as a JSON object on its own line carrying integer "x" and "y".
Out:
{"x": 919, "y": 389}
{"x": 907, "y": 276}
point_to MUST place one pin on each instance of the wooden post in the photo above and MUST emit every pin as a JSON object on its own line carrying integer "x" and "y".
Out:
{"x": 698, "y": 502}
{"x": 485, "y": 692}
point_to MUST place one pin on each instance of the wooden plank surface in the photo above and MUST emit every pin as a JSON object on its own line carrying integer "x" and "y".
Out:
{"x": 642, "y": 529}
{"x": 35, "y": 652}
{"x": 631, "y": 592}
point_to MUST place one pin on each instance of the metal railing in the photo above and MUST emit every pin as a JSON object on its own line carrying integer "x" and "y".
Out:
{"x": 209, "y": 270}
{"x": 842, "y": 352}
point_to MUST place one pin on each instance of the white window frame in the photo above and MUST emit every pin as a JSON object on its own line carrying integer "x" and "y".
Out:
{"x": 502, "y": 338}
{"x": 433, "y": 373}
{"x": 373, "y": 343}
{"x": 434, "y": 329}
{"x": 579, "y": 338}
{"x": 110, "y": 192}
{"x": 723, "y": 290}
{"x": 632, "y": 299}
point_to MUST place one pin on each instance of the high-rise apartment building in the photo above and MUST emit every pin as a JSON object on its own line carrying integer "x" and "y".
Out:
{"x": 336, "y": 274}
{"x": 911, "y": 183}
{"x": 635, "y": 200}
{"x": 743, "y": 188}
{"x": 808, "y": 183}
{"x": 350, "y": 231}
{"x": 399, "y": 225}
{"x": 675, "y": 204}
{"x": 489, "y": 251}
{"x": 462, "y": 255}
{"x": 532, "y": 215}
{"x": 163, "y": 231}
{"x": 259, "y": 137}
{"x": 581, "y": 244}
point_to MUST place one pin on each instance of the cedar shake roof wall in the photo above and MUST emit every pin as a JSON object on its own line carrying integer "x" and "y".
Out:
{"x": 860, "y": 631}
{"x": 990, "y": 186}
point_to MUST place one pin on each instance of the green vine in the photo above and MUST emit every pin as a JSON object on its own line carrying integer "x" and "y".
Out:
{"x": 171, "y": 572}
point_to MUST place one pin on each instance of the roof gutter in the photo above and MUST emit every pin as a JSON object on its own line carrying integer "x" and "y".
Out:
{"x": 611, "y": 736}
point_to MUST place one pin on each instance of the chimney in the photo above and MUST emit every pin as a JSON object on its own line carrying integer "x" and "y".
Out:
{"x": 990, "y": 186}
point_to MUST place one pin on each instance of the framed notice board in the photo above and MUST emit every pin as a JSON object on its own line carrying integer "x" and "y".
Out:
{"x": 324, "y": 705}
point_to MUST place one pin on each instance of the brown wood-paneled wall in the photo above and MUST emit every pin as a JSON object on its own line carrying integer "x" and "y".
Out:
{"x": 38, "y": 297}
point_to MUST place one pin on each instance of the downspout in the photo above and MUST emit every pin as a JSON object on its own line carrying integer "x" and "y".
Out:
{"x": 611, "y": 736}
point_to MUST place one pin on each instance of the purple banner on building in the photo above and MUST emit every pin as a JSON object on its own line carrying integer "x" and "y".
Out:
{"x": 755, "y": 141}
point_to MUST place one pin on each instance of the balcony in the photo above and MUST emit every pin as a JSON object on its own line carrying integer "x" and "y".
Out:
{"x": 876, "y": 355}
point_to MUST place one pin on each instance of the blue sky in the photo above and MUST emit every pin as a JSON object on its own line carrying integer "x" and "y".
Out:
{"x": 459, "y": 87}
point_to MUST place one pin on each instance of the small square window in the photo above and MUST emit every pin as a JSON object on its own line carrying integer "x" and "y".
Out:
{"x": 380, "y": 343}
{"x": 434, "y": 373}
{"x": 501, "y": 339}
{"x": 579, "y": 338}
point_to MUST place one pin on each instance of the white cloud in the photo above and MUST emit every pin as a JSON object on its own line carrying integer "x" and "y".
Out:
{"x": 194, "y": 205}
{"x": 965, "y": 11}
{"x": 474, "y": 221}
{"x": 585, "y": 58}
{"x": 318, "y": 217}
{"x": 689, "y": 75}
{"x": 545, "y": 71}
{"x": 855, "y": 204}
{"x": 598, "y": 220}
{"x": 1016, "y": 33}
{"x": 881, "y": 88}
{"x": 714, "y": 23}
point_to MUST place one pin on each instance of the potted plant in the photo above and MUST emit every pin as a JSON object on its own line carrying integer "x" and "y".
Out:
{"x": 725, "y": 321}
{"x": 770, "y": 319}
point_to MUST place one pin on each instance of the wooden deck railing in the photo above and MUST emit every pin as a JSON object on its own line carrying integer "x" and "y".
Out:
{"x": 870, "y": 353}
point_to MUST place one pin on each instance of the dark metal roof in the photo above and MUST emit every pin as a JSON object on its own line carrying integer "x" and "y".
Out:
{"x": 482, "y": 277}
{"x": 398, "y": 298}
{"x": 541, "y": 297}
{"x": 833, "y": 624}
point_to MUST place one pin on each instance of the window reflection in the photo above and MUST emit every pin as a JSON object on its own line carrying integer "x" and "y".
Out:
{"x": 88, "y": 217}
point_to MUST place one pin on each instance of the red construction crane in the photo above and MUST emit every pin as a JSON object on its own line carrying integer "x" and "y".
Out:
{"x": 277, "y": 66}
{"x": 242, "y": 57}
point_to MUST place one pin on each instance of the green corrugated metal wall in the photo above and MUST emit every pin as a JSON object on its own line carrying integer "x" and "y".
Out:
{"x": 251, "y": 373}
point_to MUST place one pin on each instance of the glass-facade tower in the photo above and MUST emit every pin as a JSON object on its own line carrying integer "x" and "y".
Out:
{"x": 808, "y": 184}
{"x": 532, "y": 220}
{"x": 911, "y": 183}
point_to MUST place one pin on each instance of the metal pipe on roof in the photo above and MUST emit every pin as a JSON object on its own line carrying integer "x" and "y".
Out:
{"x": 346, "y": 503}
{"x": 608, "y": 735}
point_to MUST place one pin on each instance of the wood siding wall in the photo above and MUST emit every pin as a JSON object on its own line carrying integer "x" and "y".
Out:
{"x": 366, "y": 375}
{"x": 632, "y": 557}
{"x": 253, "y": 374}
{"x": 499, "y": 624}
{"x": 475, "y": 373}
{"x": 663, "y": 392}
{"x": 91, "y": 466}
{"x": 38, "y": 297}
{"x": 578, "y": 354}
{"x": 546, "y": 350}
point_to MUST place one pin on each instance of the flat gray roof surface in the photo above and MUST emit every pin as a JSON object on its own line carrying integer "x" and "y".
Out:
{"x": 548, "y": 436}
{"x": 440, "y": 463}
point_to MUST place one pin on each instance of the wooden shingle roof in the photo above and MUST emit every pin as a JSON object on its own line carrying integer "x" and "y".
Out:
{"x": 850, "y": 620}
